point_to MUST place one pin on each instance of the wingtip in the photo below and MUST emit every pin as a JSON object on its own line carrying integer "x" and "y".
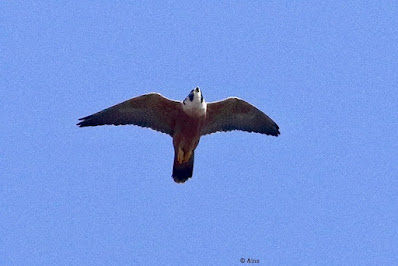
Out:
{"x": 277, "y": 131}
{"x": 84, "y": 121}
{"x": 80, "y": 124}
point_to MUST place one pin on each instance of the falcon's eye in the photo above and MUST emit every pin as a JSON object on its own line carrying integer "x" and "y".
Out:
{"x": 197, "y": 89}
{"x": 191, "y": 96}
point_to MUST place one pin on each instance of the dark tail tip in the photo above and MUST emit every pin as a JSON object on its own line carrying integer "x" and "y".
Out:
{"x": 182, "y": 172}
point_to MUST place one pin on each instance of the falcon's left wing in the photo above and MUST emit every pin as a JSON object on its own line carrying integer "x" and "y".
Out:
{"x": 150, "y": 110}
{"x": 236, "y": 114}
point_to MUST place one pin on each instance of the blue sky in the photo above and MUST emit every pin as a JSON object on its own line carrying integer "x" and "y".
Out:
{"x": 323, "y": 192}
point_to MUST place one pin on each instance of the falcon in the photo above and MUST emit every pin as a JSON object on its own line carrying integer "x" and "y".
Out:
{"x": 185, "y": 121}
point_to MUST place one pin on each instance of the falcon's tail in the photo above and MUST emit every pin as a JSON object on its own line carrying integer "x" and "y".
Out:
{"x": 181, "y": 172}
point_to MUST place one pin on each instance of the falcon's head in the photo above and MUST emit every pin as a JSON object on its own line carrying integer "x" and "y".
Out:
{"x": 194, "y": 103}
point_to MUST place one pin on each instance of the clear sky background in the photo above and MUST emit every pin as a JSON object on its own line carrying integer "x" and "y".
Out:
{"x": 323, "y": 192}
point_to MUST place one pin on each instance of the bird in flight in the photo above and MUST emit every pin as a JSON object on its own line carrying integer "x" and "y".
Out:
{"x": 185, "y": 121}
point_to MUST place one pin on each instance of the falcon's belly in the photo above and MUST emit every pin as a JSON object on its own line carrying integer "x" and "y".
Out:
{"x": 186, "y": 136}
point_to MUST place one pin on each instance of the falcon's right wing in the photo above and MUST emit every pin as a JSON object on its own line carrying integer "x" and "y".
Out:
{"x": 150, "y": 110}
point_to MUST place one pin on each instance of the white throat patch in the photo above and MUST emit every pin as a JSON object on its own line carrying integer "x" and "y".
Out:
{"x": 194, "y": 104}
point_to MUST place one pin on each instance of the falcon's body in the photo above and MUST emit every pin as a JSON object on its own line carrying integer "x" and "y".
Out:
{"x": 185, "y": 121}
